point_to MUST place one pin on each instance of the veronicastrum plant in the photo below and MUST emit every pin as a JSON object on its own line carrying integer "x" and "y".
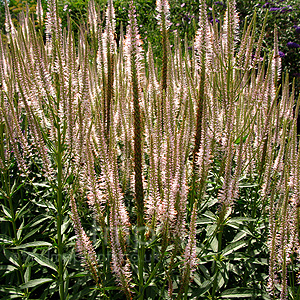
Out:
{"x": 191, "y": 177}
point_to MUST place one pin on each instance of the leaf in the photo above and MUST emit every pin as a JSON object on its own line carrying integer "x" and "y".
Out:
{"x": 7, "y": 212}
{"x": 239, "y": 293}
{"x": 204, "y": 221}
{"x": 42, "y": 260}
{"x": 248, "y": 185}
{"x": 30, "y": 233}
{"x": 15, "y": 188}
{"x": 233, "y": 247}
{"x": 33, "y": 244}
{"x": 45, "y": 185}
{"x": 240, "y": 235}
{"x": 27, "y": 274}
{"x": 11, "y": 292}
{"x": 210, "y": 215}
{"x": 206, "y": 285}
{"x": 238, "y": 140}
{"x": 15, "y": 296}
{"x": 204, "y": 271}
{"x": 22, "y": 211}
{"x": 240, "y": 220}
{"x": 20, "y": 229}
{"x": 5, "y": 239}
{"x": 35, "y": 282}
{"x": 220, "y": 281}
{"x": 212, "y": 202}
{"x": 7, "y": 269}
{"x": 210, "y": 230}
{"x": 214, "y": 244}
{"x": 65, "y": 225}
{"x": 11, "y": 257}
{"x": 112, "y": 288}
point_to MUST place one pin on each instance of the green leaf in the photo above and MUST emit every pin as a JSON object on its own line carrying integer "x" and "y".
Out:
{"x": 65, "y": 225}
{"x": 202, "y": 221}
{"x": 39, "y": 219}
{"x": 15, "y": 188}
{"x": 233, "y": 247}
{"x": 239, "y": 293}
{"x": 29, "y": 234}
{"x": 22, "y": 211}
{"x": 204, "y": 271}
{"x": 11, "y": 292}
{"x": 7, "y": 212}
{"x": 15, "y": 296}
{"x": 20, "y": 229}
{"x": 220, "y": 281}
{"x": 238, "y": 140}
{"x": 35, "y": 282}
{"x": 27, "y": 274}
{"x": 211, "y": 230}
{"x": 11, "y": 257}
{"x": 42, "y": 260}
{"x": 240, "y": 235}
{"x": 8, "y": 269}
{"x": 5, "y": 239}
{"x": 33, "y": 244}
{"x": 45, "y": 185}
{"x": 214, "y": 244}
{"x": 112, "y": 288}
{"x": 210, "y": 215}
{"x": 240, "y": 220}
{"x": 248, "y": 185}
{"x": 206, "y": 285}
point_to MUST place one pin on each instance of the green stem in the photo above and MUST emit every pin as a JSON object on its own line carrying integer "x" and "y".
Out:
{"x": 60, "y": 218}
{"x": 141, "y": 259}
{"x": 156, "y": 267}
{"x": 220, "y": 235}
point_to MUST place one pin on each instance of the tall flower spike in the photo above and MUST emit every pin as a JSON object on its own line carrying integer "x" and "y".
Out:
{"x": 133, "y": 52}
{"x": 163, "y": 9}
{"x": 39, "y": 12}
{"x": 276, "y": 62}
{"x": 109, "y": 49}
{"x": 9, "y": 26}
{"x": 190, "y": 254}
{"x": 230, "y": 30}
{"x": 201, "y": 43}
{"x": 120, "y": 265}
{"x": 92, "y": 16}
{"x": 83, "y": 243}
{"x": 53, "y": 26}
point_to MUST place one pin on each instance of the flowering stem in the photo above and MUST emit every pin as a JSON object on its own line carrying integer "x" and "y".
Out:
{"x": 109, "y": 94}
{"x": 139, "y": 193}
{"x": 59, "y": 216}
{"x": 220, "y": 235}
{"x": 164, "y": 67}
{"x": 164, "y": 247}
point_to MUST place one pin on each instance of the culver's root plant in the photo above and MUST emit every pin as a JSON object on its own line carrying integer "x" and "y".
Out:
{"x": 181, "y": 180}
